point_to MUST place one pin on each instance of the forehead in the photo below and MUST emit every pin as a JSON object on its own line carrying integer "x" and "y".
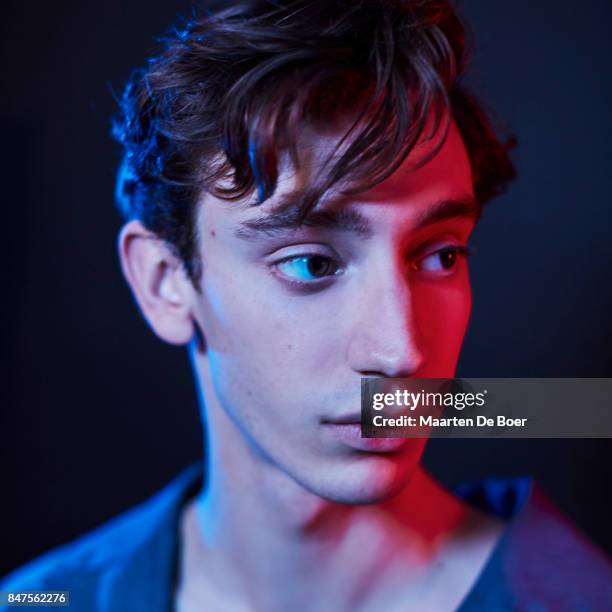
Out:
{"x": 407, "y": 193}
{"x": 445, "y": 176}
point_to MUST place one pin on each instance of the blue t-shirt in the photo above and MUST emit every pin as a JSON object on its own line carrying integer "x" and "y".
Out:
{"x": 541, "y": 563}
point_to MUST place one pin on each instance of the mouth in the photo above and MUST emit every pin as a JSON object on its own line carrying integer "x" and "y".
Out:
{"x": 353, "y": 418}
{"x": 347, "y": 431}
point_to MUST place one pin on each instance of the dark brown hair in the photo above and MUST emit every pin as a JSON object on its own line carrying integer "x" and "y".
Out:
{"x": 232, "y": 90}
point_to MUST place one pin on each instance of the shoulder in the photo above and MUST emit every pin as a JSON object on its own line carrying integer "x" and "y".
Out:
{"x": 551, "y": 555}
{"x": 543, "y": 562}
{"x": 91, "y": 563}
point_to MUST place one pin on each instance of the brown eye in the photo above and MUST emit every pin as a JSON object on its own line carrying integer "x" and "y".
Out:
{"x": 320, "y": 266}
{"x": 448, "y": 258}
{"x": 305, "y": 268}
{"x": 441, "y": 261}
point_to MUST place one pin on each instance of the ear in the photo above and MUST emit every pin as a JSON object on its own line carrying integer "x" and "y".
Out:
{"x": 158, "y": 281}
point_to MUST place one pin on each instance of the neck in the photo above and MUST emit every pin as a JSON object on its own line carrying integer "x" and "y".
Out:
{"x": 249, "y": 510}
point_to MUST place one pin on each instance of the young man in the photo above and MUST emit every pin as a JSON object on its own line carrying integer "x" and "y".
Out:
{"x": 300, "y": 182}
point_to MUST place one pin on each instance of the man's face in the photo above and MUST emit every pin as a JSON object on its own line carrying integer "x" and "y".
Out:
{"x": 293, "y": 317}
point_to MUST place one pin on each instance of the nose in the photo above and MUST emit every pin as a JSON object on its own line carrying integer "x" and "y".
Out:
{"x": 385, "y": 336}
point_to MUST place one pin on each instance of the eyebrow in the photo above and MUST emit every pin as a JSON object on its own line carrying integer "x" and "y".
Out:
{"x": 462, "y": 208}
{"x": 288, "y": 220}
{"x": 351, "y": 220}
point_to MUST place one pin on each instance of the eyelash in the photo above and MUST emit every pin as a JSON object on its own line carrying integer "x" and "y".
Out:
{"x": 311, "y": 284}
{"x": 456, "y": 249}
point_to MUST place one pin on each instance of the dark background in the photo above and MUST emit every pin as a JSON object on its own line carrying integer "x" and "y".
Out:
{"x": 97, "y": 413}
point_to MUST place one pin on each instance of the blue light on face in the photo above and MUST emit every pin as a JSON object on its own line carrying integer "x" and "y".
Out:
{"x": 307, "y": 268}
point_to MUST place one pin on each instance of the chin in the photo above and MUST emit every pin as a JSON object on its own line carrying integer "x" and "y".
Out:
{"x": 364, "y": 479}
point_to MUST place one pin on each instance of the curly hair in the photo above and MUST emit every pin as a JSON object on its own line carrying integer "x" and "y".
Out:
{"x": 231, "y": 91}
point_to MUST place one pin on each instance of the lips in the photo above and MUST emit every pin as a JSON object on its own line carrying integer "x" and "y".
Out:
{"x": 349, "y": 434}
{"x": 353, "y": 418}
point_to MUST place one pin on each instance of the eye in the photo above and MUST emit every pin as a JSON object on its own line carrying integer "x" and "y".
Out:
{"x": 308, "y": 268}
{"x": 443, "y": 261}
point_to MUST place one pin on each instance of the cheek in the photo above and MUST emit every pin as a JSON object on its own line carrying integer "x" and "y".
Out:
{"x": 262, "y": 344}
{"x": 242, "y": 353}
{"x": 442, "y": 314}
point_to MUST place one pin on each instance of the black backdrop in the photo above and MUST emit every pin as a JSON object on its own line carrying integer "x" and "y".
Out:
{"x": 97, "y": 413}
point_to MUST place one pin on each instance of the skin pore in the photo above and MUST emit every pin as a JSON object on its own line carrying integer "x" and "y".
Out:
{"x": 375, "y": 284}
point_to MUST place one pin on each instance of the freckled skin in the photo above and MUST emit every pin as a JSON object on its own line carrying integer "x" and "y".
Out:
{"x": 279, "y": 361}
